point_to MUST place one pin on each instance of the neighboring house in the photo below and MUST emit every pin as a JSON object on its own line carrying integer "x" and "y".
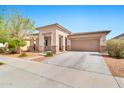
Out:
{"x": 31, "y": 42}
{"x": 56, "y": 38}
{"x": 2, "y": 45}
{"x": 121, "y": 36}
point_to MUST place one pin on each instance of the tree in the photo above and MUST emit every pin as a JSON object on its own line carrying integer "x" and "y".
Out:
{"x": 19, "y": 28}
{"x": 4, "y": 33}
{"x": 14, "y": 28}
{"x": 4, "y": 36}
{"x": 14, "y": 45}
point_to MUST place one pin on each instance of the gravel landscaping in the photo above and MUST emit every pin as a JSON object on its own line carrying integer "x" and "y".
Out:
{"x": 40, "y": 59}
{"x": 116, "y": 66}
{"x": 29, "y": 54}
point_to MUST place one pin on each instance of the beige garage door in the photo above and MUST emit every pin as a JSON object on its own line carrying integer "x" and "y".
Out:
{"x": 85, "y": 45}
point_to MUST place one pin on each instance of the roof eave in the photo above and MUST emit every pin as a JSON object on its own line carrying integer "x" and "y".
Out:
{"x": 53, "y": 25}
{"x": 85, "y": 33}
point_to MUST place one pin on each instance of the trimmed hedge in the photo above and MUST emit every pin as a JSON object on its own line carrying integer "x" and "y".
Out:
{"x": 115, "y": 48}
{"x": 49, "y": 54}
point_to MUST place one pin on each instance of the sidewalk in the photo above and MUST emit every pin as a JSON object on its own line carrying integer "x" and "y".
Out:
{"x": 23, "y": 73}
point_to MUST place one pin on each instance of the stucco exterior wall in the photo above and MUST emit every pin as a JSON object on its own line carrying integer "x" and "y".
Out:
{"x": 63, "y": 39}
{"x": 58, "y": 34}
{"x": 49, "y": 31}
{"x": 26, "y": 48}
{"x": 55, "y": 33}
{"x": 103, "y": 43}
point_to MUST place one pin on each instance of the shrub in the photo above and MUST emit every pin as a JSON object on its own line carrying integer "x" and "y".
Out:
{"x": 115, "y": 48}
{"x": 1, "y": 63}
{"x": 2, "y": 49}
{"x": 12, "y": 50}
{"x": 49, "y": 54}
{"x": 23, "y": 54}
{"x": 14, "y": 45}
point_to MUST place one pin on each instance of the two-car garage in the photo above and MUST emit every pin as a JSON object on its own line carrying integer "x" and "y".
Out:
{"x": 85, "y": 45}
{"x": 89, "y": 41}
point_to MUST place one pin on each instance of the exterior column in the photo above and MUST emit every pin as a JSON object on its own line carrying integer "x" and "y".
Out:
{"x": 63, "y": 43}
{"x": 52, "y": 39}
{"x": 68, "y": 44}
{"x": 37, "y": 43}
{"x": 31, "y": 44}
{"x": 55, "y": 42}
{"x": 41, "y": 42}
{"x": 103, "y": 44}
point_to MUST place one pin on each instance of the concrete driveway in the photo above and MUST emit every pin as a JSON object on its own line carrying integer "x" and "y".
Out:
{"x": 71, "y": 69}
{"x": 84, "y": 61}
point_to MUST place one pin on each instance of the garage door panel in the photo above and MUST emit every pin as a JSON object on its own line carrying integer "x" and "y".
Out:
{"x": 85, "y": 45}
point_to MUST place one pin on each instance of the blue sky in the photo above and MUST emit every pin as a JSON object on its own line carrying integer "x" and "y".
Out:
{"x": 77, "y": 18}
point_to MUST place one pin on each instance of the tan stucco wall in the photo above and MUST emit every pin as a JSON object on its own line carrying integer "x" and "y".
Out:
{"x": 63, "y": 38}
{"x": 57, "y": 31}
{"x": 25, "y": 48}
{"x": 54, "y": 32}
{"x": 48, "y": 47}
{"x": 49, "y": 31}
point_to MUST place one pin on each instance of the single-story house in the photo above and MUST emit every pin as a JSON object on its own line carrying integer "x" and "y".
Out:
{"x": 121, "y": 36}
{"x": 2, "y": 45}
{"x": 56, "y": 38}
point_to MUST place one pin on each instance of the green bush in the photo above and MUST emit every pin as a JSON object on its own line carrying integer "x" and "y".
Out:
{"x": 2, "y": 49}
{"x": 1, "y": 63}
{"x": 115, "y": 48}
{"x": 49, "y": 54}
{"x": 23, "y": 54}
{"x": 12, "y": 50}
{"x": 14, "y": 45}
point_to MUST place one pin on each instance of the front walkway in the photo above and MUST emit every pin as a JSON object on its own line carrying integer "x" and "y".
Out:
{"x": 71, "y": 69}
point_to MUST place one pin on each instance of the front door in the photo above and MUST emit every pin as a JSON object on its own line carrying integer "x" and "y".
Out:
{"x": 47, "y": 44}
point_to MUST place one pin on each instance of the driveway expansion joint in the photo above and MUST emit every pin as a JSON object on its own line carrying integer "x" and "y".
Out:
{"x": 78, "y": 69}
{"x": 117, "y": 82}
{"x": 41, "y": 76}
